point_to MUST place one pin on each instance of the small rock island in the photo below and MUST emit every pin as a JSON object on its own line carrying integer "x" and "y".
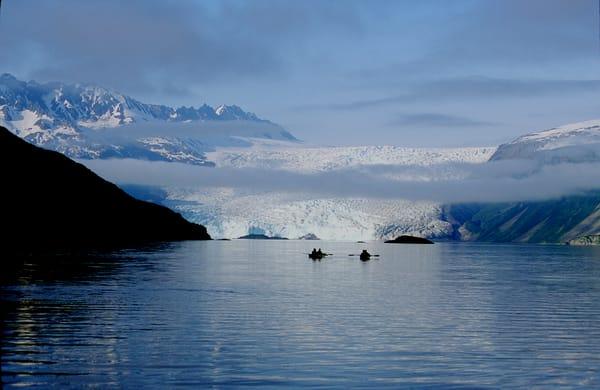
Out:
{"x": 409, "y": 240}
{"x": 309, "y": 237}
{"x": 260, "y": 237}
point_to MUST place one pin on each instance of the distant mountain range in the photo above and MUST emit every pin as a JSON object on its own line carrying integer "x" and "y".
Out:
{"x": 77, "y": 119}
{"x": 90, "y": 122}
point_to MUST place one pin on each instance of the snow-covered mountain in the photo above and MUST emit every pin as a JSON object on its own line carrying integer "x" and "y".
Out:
{"x": 77, "y": 121}
{"x": 574, "y": 143}
{"x": 577, "y": 147}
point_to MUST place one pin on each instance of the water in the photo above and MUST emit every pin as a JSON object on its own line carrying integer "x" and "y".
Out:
{"x": 259, "y": 313}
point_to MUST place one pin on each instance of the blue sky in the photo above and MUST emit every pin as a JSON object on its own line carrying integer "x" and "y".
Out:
{"x": 415, "y": 73}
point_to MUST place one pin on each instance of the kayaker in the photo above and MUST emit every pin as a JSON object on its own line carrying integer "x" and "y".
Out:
{"x": 365, "y": 255}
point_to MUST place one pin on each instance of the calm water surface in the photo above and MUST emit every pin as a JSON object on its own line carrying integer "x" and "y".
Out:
{"x": 259, "y": 313}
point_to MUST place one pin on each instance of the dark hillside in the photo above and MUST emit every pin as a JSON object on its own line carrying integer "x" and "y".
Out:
{"x": 48, "y": 200}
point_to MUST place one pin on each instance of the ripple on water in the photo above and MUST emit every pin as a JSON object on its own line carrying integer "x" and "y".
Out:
{"x": 242, "y": 313}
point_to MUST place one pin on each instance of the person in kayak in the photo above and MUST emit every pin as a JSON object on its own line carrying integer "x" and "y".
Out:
{"x": 365, "y": 255}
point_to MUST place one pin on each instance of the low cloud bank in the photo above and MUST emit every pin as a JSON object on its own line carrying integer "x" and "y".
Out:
{"x": 499, "y": 181}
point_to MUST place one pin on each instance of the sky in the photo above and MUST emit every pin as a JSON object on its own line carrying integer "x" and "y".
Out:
{"x": 345, "y": 72}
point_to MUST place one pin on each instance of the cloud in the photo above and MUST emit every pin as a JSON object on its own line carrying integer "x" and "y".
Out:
{"x": 437, "y": 120}
{"x": 157, "y": 46}
{"x": 513, "y": 35}
{"x": 470, "y": 88}
{"x": 499, "y": 181}
{"x": 351, "y": 63}
{"x": 516, "y": 31}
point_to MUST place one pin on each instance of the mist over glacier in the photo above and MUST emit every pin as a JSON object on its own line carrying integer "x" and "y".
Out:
{"x": 496, "y": 181}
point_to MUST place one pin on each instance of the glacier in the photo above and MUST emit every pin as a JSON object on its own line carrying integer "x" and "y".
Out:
{"x": 232, "y": 212}
{"x": 229, "y": 212}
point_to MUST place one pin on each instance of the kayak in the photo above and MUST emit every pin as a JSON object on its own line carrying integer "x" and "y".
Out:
{"x": 318, "y": 256}
{"x": 364, "y": 257}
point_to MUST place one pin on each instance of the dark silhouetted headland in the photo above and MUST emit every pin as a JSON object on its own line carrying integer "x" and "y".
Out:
{"x": 50, "y": 201}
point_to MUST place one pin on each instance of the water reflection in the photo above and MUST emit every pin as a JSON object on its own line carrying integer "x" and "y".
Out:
{"x": 40, "y": 328}
{"x": 261, "y": 314}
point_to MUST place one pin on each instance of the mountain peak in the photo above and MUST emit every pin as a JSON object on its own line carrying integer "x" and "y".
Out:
{"x": 234, "y": 112}
{"x": 575, "y": 142}
{"x": 219, "y": 110}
